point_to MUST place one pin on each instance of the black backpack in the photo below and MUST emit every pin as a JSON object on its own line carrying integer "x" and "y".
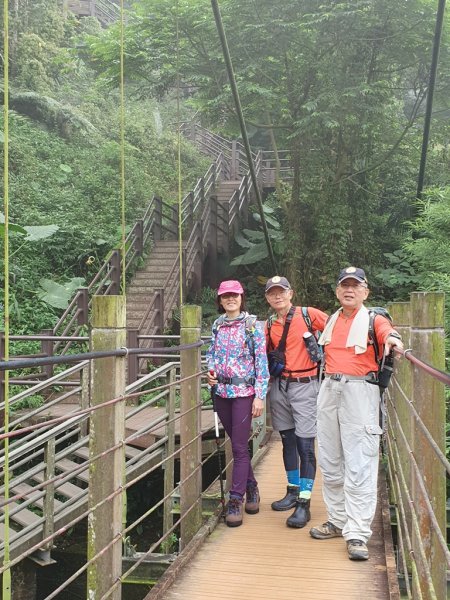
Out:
{"x": 385, "y": 363}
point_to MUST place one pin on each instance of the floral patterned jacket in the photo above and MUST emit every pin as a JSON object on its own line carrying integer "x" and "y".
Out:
{"x": 230, "y": 354}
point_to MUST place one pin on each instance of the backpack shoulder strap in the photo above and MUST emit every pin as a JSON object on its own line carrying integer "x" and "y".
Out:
{"x": 250, "y": 326}
{"x": 371, "y": 333}
{"x": 373, "y": 312}
{"x": 307, "y": 318}
{"x": 217, "y": 324}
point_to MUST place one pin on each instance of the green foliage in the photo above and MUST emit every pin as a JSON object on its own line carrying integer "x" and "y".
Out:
{"x": 58, "y": 295}
{"x": 428, "y": 246}
{"x": 65, "y": 157}
{"x": 254, "y": 240}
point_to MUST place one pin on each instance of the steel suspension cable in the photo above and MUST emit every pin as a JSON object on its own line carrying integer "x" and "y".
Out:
{"x": 122, "y": 144}
{"x": 6, "y": 579}
{"x": 240, "y": 115}
{"x": 180, "y": 214}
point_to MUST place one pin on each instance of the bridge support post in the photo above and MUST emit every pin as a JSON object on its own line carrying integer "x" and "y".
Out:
{"x": 428, "y": 341}
{"x": 107, "y": 429}
{"x": 190, "y": 427}
{"x": 401, "y": 314}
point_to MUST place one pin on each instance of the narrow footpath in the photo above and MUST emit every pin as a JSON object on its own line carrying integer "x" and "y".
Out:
{"x": 265, "y": 560}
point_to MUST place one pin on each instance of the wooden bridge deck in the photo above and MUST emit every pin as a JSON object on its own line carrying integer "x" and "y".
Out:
{"x": 265, "y": 560}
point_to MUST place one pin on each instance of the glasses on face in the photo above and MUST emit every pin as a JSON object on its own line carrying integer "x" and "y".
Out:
{"x": 229, "y": 296}
{"x": 274, "y": 293}
{"x": 354, "y": 285}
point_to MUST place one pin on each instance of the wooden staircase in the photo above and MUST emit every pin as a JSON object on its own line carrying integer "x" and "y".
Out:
{"x": 105, "y": 11}
{"x": 157, "y": 273}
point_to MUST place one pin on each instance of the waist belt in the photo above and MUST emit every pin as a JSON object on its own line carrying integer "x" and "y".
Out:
{"x": 299, "y": 379}
{"x": 370, "y": 377}
{"x": 236, "y": 380}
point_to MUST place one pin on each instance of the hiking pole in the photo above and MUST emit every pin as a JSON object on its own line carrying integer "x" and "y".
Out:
{"x": 219, "y": 457}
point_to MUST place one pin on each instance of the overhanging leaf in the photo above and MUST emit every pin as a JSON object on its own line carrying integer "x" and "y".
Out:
{"x": 40, "y": 232}
{"x": 11, "y": 226}
{"x": 253, "y": 255}
{"x": 56, "y": 294}
{"x": 242, "y": 241}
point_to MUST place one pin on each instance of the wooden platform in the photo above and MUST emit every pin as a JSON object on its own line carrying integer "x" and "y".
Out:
{"x": 265, "y": 560}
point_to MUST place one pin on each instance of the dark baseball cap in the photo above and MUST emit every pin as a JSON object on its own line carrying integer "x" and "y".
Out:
{"x": 277, "y": 281}
{"x": 352, "y": 273}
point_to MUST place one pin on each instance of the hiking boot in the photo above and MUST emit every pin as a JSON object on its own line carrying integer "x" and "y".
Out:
{"x": 234, "y": 512}
{"x": 252, "y": 498}
{"x": 289, "y": 501}
{"x": 357, "y": 550}
{"x": 325, "y": 531}
{"x": 301, "y": 515}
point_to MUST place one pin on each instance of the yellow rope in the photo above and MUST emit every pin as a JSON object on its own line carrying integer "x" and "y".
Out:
{"x": 122, "y": 142}
{"x": 180, "y": 216}
{"x": 6, "y": 582}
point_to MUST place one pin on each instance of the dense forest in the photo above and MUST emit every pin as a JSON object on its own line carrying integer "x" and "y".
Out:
{"x": 341, "y": 85}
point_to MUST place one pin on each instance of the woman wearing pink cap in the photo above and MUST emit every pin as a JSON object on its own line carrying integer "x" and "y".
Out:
{"x": 237, "y": 367}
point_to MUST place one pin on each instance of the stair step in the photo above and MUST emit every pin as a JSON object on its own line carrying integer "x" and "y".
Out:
{"x": 24, "y": 517}
{"x": 67, "y": 466}
{"x": 66, "y": 489}
{"x": 28, "y": 492}
{"x": 83, "y": 452}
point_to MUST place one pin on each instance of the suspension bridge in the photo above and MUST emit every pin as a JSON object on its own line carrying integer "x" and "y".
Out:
{"x": 52, "y": 453}
{"x": 107, "y": 424}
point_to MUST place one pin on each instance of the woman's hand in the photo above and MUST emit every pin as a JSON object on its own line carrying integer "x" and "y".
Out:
{"x": 211, "y": 376}
{"x": 257, "y": 407}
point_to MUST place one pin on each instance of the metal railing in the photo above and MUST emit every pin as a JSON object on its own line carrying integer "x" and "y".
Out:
{"x": 415, "y": 448}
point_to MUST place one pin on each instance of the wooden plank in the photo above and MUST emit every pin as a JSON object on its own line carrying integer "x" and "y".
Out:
{"x": 264, "y": 559}
{"x": 66, "y": 489}
{"x": 66, "y": 466}
{"x": 23, "y": 517}
{"x": 27, "y": 492}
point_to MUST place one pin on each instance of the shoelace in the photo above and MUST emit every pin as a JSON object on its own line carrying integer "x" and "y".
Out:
{"x": 234, "y": 506}
{"x": 356, "y": 542}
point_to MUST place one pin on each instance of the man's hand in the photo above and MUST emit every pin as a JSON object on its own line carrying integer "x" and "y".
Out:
{"x": 257, "y": 407}
{"x": 211, "y": 376}
{"x": 392, "y": 342}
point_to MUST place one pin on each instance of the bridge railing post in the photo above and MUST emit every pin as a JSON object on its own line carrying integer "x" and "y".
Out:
{"x": 85, "y": 378}
{"x": 190, "y": 426}
{"x": 234, "y": 167}
{"x": 421, "y": 324}
{"x": 47, "y": 350}
{"x": 114, "y": 262}
{"x": 401, "y": 315}
{"x": 49, "y": 497}
{"x": 133, "y": 359}
{"x": 107, "y": 429}
{"x": 428, "y": 342}
{"x": 169, "y": 464}
{"x": 83, "y": 306}
{"x": 157, "y": 225}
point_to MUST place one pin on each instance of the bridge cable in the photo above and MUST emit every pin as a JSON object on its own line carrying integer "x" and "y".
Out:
{"x": 430, "y": 94}
{"x": 180, "y": 213}
{"x": 6, "y": 579}
{"x": 238, "y": 106}
{"x": 122, "y": 147}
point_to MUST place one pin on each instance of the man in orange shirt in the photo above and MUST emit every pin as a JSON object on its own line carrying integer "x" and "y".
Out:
{"x": 293, "y": 397}
{"x": 348, "y": 430}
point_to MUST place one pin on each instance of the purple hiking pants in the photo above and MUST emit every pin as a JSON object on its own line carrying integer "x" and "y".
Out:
{"x": 236, "y": 417}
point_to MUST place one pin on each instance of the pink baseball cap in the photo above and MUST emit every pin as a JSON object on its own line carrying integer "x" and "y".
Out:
{"x": 230, "y": 287}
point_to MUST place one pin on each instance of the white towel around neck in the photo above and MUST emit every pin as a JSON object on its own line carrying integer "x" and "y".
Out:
{"x": 357, "y": 336}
